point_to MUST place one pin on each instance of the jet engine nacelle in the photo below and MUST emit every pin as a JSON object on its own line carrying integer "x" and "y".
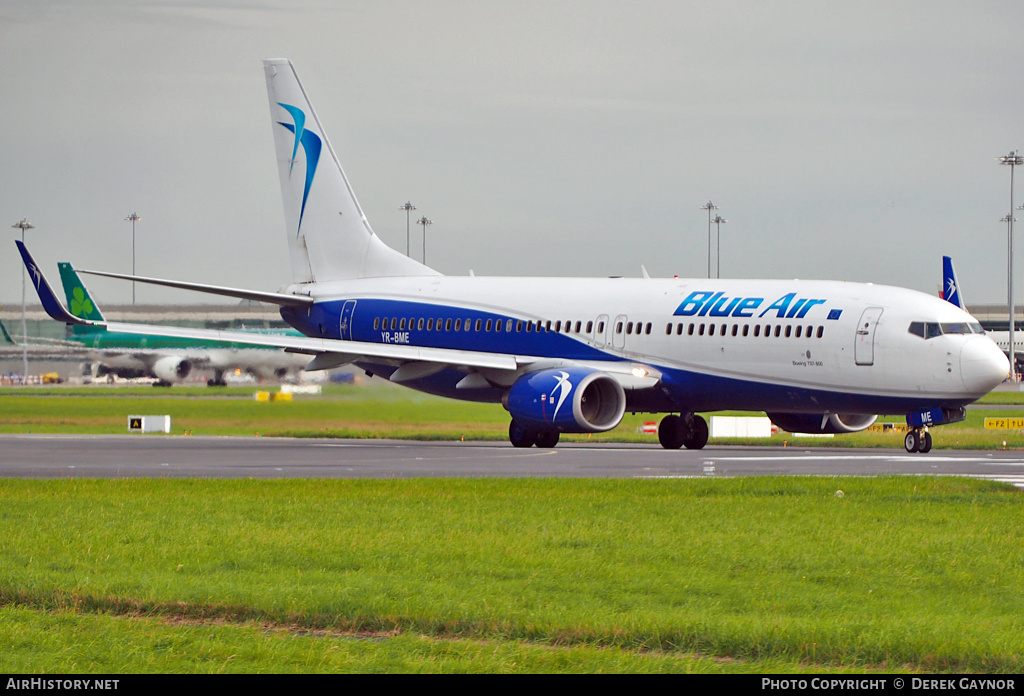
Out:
{"x": 569, "y": 400}
{"x": 171, "y": 368}
{"x": 816, "y": 423}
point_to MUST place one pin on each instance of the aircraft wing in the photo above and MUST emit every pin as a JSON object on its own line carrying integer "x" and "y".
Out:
{"x": 350, "y": 350}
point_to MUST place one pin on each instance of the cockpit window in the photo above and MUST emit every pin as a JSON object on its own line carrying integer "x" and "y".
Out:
{"x": 932, "y": 329}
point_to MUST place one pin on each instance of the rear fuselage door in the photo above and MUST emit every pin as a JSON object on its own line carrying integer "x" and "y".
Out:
{"x": 345, "y": 325}
{"x": 864, "y": 349}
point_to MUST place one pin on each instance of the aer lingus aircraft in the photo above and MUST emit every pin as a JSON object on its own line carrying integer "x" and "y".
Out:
{"x": 572, "y": 355}
{"x": 168, "y": 358}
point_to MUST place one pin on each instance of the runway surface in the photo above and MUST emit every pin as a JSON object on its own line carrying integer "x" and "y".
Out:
{"x": 127, "y": 456}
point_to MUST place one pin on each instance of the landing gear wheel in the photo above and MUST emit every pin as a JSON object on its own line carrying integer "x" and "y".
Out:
{"x": 520, "y": 436}
{"x": 547, "y": 438}
{"x": 697, "y": 436}
{"x": 670, "y": 432}
{"x": 913, "y": 441}
{"x": 926, "y": 443}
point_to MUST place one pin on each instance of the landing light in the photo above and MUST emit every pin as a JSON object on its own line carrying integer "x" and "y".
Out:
{"x": 639, "y": 372}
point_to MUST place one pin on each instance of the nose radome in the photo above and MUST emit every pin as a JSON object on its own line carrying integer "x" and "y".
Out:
{"x": 983, "y": 366}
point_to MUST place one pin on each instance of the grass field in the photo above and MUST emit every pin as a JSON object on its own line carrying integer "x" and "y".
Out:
{"x": 752, "y": 575}
{"x": 743, "y": 575}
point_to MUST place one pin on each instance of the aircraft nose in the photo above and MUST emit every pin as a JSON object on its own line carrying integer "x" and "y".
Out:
{"x": 982, "y": 365}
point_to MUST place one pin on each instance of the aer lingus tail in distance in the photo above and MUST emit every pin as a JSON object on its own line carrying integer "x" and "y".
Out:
{"x": 572, "y": 355}
{"x": 170, "y": 359}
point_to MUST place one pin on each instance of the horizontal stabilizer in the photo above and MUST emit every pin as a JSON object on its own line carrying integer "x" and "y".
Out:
{"x": 240, "y": 293}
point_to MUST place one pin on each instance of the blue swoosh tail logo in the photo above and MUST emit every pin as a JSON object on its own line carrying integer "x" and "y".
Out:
{"x": 311, "y": 146}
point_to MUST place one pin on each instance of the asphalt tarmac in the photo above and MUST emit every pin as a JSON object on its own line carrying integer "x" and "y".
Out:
{"x": 156, "y": 456}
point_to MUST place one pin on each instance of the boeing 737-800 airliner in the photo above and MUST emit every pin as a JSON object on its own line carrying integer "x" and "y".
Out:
{"x": 572, "y": 355}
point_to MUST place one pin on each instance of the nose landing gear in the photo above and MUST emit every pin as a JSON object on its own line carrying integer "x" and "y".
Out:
{"x": 918, "y": 440}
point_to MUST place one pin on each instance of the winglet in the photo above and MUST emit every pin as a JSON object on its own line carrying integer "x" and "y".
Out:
{"x": 950, "y": 286}
{"x": 50, "y": 302}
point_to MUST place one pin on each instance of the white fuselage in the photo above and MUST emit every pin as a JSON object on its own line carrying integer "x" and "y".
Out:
{"x": 746, "y": 344}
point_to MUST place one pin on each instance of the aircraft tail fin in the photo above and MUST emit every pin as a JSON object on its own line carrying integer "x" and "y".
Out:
{"x": 329, "y": 237}
{"x": 950, "y": 285}
{"x": 76, "y": 294}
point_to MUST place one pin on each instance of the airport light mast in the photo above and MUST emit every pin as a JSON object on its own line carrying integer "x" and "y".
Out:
{"x": 718, "y": 240}
{"x": 709, "y": 206}
{"x": 134, "y": 217}
{"x": 408, "y": 207}
{"x": 23, "y": 225}
{"x": 1012, "y": 160}
{"x": 424, "y": 222}
{"x": 1008, "y": 219}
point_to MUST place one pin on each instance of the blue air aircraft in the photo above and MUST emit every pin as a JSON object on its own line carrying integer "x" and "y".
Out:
{"x": 572, "y": 355}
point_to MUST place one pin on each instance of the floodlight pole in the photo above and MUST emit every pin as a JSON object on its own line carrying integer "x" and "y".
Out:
{"x": 134, "y": 217}
{"x": 718, "y": 240}
{"x": 709, "y": 206}
{"x": 23, "y": 225}
{"x": 424, "y": 222}
{"x": 408, "y": 207}
{"x": 1012, "y": 160}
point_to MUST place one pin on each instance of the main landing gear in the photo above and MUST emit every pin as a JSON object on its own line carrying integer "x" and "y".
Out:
{"x": 688, "y": 429}
{"x": 918, "y": 440}
{"x": 521, "y": 436}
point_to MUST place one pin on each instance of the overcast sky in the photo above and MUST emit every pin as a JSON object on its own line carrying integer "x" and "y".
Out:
{"x": 855, "y": 141}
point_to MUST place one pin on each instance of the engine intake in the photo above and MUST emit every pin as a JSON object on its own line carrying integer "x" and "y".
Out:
{"x": 569, "y": 400}
{"x": 822, "y": 423}
{"x": 171, "y": 368}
